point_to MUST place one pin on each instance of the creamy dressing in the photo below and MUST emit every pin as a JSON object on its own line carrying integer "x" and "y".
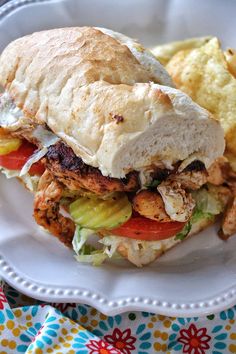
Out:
{"x": 10, "y": 114}
{"x": 191, "y": 158}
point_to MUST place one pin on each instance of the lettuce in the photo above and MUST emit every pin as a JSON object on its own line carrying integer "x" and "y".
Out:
{"x": 46, "y": 139}
{"x": 200, "y": 214}
{"x": 31, "y": 182}
{"x": 96, "y": 258}
{"x": 138, "y": 252}
{"x": 207, "y": 206}
{"x": 86, "y": 252}
{"x": 141, "y": 252}
{"x": 80, "y": 238}
{"x": 37, "y": 155}
{"x": 184, "y": 233}
{"x": 207, "y": 203}
{"x": 9, "y": 173}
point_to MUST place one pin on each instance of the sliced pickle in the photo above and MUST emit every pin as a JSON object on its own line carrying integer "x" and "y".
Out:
{"x": 95, "y": 213}
{"x": 8, "y": 145}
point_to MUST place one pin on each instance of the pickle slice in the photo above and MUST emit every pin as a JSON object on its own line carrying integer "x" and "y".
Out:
{"x": 96, "y": 213}
{"x": 8, "y": 145}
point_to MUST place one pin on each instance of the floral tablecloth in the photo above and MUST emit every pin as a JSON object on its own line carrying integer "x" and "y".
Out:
{"x": 30, "y": 326}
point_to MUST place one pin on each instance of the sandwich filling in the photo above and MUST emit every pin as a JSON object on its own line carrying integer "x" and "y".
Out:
{"x": 132, "y": 215}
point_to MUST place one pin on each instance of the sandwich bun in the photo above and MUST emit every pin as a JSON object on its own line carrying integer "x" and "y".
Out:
{"x": 105, "y": 102}
{"x": 142, "y": 253}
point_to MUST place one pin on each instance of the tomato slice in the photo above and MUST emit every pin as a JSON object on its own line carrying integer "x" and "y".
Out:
{"x": 37, "y": 169}
{"x": 15, "y": 160}
{"x": 141, "y": 228}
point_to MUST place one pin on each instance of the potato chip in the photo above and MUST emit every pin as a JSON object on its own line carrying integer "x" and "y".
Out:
{"x": 203, "y": 74}
{"x": 230, "y": 55}
{"x": 166, "y": 51}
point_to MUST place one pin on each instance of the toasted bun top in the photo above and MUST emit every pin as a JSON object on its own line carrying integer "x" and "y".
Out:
{"x": 103, "y": 102}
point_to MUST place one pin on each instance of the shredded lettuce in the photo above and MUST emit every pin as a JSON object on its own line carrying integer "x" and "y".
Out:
{"x": 207, "y": 202}
{"x": 96, "y": 258}
{"x": 9, "y": 173}
{"x": 138, "y": 252}
{"x": 207, "y": 206}
{"x": 86, "y": 252}
{"x": 111, "y": 244}
{"x": 31, "y": 182}
{"x": 200, "y": 215}
{"x": 184, "y": 233}
{"x": 44, "y": 136}
{"x": 80, "y": 237}
{"x": 37, "y": 155}
{"x": 46, "y": 139}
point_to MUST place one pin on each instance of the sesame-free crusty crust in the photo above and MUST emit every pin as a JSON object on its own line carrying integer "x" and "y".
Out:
{"x": 92, "y": 92}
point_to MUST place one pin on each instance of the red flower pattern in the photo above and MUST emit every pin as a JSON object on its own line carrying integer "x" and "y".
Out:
{"x": 101, "y": 347}
{"x": 63, "y": 307}
{"x": 121, "y": 340}
{"x": 2, "y": 299}
{"x": 195, "y": 340}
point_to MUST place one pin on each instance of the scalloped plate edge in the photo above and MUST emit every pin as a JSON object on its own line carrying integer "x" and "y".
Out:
{"x": 112, "y": 307}
{"x": 12, "y": 5}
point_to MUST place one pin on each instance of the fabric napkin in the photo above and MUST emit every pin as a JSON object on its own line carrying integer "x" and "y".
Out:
{"x": 30, "y": 326}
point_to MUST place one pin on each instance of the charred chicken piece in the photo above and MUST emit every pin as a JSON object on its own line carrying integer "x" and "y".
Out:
{"x": 47, "y": 209}
{"x": 231, "y": 181}
{"x": 150, "y": 205}
{"x": 218, "y": 171}
{"x": 75, "y": 174}
{"x": 192, "y": 177}
{"x": 178, "y": 203}
{"x": 191, "y": 180}
{"x": 228, "y": 227}
{"x": 229, "y": 219}
{"x": 174, "y": 203}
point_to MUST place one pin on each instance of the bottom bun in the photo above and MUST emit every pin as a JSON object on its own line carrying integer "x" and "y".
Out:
{"x": 148, "y": 251}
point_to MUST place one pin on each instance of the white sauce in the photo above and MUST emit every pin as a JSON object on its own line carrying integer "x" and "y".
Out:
{"x": 10, "y": 114}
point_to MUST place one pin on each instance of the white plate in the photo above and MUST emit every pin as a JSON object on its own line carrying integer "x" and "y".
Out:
{"x": 196, "y": 278}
